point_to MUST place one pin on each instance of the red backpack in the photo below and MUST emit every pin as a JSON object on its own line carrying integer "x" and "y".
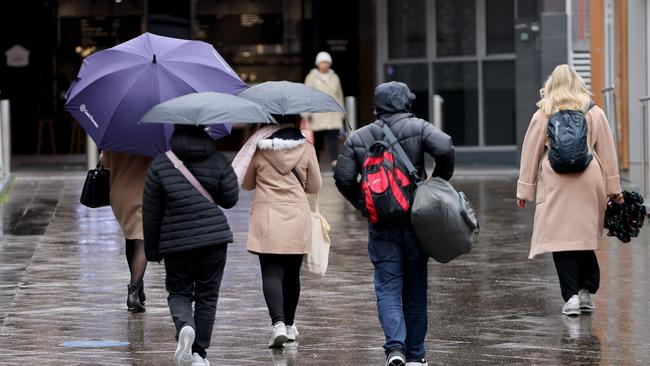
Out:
{"x": 387, "y": 190}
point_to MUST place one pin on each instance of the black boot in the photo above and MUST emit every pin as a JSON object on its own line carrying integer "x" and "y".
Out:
{"x": 141, "y": 294}
{"x": 133, "y": 301}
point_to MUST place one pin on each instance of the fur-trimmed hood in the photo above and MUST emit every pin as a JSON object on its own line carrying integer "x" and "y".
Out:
{"x": 283, "y": 149}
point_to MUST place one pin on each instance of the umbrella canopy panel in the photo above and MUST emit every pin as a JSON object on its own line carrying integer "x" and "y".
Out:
{"x": 285, "y": 97}
{"x": 207, "y": 108}
{"x": 116, "y": 87}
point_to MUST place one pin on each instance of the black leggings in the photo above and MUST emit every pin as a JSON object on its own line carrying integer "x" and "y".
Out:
{"x": 281, "y": 285}
{"x": 577, "y": 270}
{"x": 329, "y": 138}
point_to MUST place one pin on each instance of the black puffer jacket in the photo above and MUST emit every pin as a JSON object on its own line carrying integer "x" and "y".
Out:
{"x": 176, "y": 217}
{"x": 417, "y": 137}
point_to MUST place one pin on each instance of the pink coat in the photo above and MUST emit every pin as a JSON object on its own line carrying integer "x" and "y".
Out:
{"x": 281, "y": 220}
{"x": 570, "y": 208}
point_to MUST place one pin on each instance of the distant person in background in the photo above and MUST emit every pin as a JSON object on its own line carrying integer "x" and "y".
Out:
{"x": 326, "y": 126}
{"x": 128, "y": 173}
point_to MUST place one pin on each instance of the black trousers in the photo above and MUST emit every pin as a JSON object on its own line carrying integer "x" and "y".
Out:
{"x": 577, "y": 270}
{"x": 329, "y": 138}
{"x": 195, "y": 276}
{"x": 281, "y": 285}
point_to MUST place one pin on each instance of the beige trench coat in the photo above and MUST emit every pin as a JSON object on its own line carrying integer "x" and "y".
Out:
{"x": 280, "y": 220}
{"x": 570, "y": 208}
{"x": 329, "y": 84}
{"x": 128, "y": 173}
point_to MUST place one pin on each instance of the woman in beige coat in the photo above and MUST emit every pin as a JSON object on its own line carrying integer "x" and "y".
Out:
{"x": 283, "y": 169}
{"x": 570, "y": 208}
{"x": 128, "y": 173}
{"x": 326, "y": 126}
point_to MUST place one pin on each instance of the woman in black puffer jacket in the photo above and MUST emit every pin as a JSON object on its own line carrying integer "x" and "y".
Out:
{"x": 190, "y": 233}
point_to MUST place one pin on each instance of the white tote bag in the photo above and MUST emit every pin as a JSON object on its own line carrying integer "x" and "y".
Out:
{"x": 318, "y": 257}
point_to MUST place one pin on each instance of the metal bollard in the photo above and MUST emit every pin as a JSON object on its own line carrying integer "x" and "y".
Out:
{"x": 645, "y": 186}
{"x": 5, "y": 132}
{"x": 609, "y": 95}
{"x": 351, "y": 113}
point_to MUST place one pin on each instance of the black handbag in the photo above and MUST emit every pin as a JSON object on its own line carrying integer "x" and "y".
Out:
{"x": 97, "y": 192}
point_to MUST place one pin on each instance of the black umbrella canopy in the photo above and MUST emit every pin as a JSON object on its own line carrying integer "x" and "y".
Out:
{"x": 207, "y": 108}
{"x": 285, "y": 97}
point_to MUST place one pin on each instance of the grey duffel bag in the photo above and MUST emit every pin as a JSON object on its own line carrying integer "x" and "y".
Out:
{"x": 443, "y": 220}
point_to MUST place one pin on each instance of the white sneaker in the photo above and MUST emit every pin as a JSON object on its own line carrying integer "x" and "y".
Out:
{"x": 586, "y": 302}
{"x": 197, "y": 360}
{"x": 422, "y": 362}
{"x": 572, "y": 307}
{"x": 183, "y": 355}
{"x": 292, "y": 333}
{"x": 279, "y": 337}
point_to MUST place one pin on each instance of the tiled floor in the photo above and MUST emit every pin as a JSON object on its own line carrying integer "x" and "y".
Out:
{"x": 63, "y": 278}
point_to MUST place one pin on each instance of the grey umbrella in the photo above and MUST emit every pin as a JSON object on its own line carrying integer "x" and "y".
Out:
{"x": 207, "y": 108}
{"x": 285, "y": 97}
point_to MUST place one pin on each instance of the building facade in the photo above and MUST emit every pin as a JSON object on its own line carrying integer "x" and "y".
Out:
{"x": 476, "y": 66}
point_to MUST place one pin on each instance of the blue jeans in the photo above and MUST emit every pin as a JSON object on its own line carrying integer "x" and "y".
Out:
{"x": 401, "y": 287}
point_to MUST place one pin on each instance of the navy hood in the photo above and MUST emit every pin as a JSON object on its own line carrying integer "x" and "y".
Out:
{"x": 393, "y": 97}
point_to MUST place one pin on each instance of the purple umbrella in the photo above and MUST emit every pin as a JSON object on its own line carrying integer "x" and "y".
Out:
{"x": 117, "y": 86}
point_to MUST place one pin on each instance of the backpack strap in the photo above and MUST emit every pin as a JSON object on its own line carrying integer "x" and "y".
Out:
{"x": 178, "y": 164}
{"x": 401, "y": 154}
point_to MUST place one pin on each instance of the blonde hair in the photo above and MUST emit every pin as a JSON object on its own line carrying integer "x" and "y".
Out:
{"x": 564, "y": 89}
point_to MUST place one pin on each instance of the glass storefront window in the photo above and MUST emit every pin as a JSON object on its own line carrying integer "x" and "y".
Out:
{"x": 416, "y": 76}
{"x": 456, "y": 27}
{"x": 500, "y": 23}
{"x": 456, "y": 83}
{"x": 407, "y": 28}
{"x": 499, "y": 102}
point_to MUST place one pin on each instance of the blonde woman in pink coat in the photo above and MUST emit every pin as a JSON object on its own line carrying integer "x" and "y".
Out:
{"x": 569, "y": 208}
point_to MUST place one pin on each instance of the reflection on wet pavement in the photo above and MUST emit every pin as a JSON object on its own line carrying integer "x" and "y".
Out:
{"x": 63, "y": 278}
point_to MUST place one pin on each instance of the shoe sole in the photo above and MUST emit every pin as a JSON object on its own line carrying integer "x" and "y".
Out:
{"x": 572, "y": 313}
{"x": 183, "y": 355}
{"x": 136, "y": 309}
{"x": 396, "y": 362}
{"x": 587, "y": 309}
{"x": 279, "y": 341}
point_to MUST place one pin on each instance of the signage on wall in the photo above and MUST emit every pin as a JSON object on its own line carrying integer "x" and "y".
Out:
{"x": 240, "y": 29}
{"x": 17, "y": 56}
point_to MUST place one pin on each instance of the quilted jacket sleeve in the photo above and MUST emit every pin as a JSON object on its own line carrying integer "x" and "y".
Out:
{"x": 346, "y": 174}
{"x": 228, "y": 192}
{"x": 153, "y": 210}
{"x": 439, "y": 145}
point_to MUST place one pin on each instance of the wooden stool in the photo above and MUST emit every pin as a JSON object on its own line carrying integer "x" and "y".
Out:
{"x": 46, "y": 123}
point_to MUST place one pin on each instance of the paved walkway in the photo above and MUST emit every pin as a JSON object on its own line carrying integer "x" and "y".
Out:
{"x": 63, "y": 278}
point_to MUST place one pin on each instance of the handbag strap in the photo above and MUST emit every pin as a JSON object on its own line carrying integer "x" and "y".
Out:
{"x": 401, "y": 154}
{"x": 178, "y": 164}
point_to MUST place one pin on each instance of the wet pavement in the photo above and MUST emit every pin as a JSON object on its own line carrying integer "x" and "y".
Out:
{"x": 63, "y": 278}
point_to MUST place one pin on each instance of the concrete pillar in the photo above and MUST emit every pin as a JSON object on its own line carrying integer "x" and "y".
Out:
{"x": 637, "y": 87}
{"x": 527, "y": 65}
{"x": 554, "y": 36}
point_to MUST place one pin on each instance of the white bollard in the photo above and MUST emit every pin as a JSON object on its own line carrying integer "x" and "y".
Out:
{"x": 351, "y": 113}
{"x": 437, "y": 111}
{"x": 91, "y": 153}
{"x": 5, "y": 136}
